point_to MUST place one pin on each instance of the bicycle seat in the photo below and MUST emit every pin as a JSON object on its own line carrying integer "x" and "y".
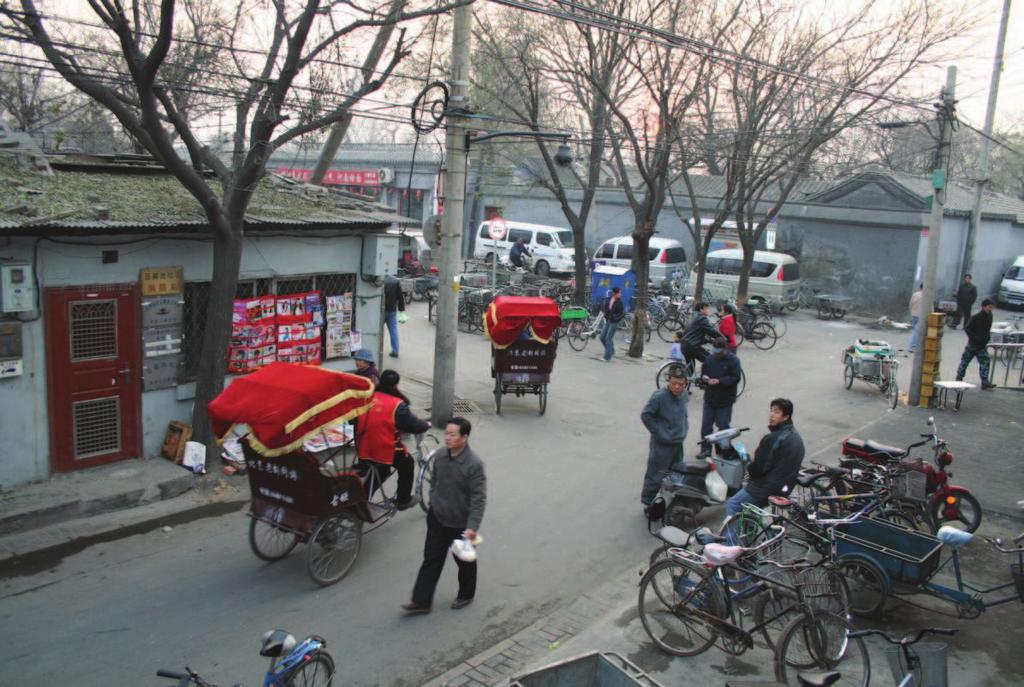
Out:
{"x": 704, "y": 536}
{"x": 673, "y": 536}
{"x": 953, "y": 537}
{"x": 819, "y": 679}
{"x": 780, "y": 501}
{"x": 806, "y": 479}
{"x": 694, "y": 468}
{"x": 890, "y": 451}
{"x": 277, "y": 643}
{"x": 720, "y": 554}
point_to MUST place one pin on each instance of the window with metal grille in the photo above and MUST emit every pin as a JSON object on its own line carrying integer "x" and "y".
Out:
{"x": 92, "y": 326}
{"x": 197, "y": 298}
{"x": 96, "y": 426}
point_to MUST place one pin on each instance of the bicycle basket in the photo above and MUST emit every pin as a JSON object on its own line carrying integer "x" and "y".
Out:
{"x": 911, "y": 485}
{"x": 932, "y": 656}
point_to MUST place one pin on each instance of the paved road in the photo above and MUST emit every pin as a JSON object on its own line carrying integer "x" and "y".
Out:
{"x": 563, "y": 515}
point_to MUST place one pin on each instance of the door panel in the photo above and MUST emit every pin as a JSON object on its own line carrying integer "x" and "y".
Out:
{"x": 92, "y": 351}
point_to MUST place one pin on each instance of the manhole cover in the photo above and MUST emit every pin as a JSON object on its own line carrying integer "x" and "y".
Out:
{"x": 461, "y": 406}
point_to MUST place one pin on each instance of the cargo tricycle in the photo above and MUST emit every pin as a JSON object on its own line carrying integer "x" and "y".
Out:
{"x": 522, "y": 331}
{"x": 874, "y": 362}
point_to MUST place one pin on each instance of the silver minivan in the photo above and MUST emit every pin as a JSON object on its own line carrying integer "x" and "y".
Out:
{"x": 774, "y": 277}
{"x": 667, "y": 256}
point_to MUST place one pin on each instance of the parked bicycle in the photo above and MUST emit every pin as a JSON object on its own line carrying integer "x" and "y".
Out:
{"x": 910, "y": 670}
{"x": 292, "y": 663}
{"x": 424, "y": 469}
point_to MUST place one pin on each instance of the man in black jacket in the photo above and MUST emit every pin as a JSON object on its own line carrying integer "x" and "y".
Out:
{"x": 394, "y": 302}
{"x": 719, "y": 377}
{"x": 978, "y": 330}
{"x": 965, "y": 297}
{"x": 699, "y": 332}
{"x": 614, "y": 311}
{"x": 776, "y": 461}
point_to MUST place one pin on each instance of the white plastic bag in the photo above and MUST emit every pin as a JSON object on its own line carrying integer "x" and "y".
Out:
{"x": 716, "y": 486}
{"x": 195, "y": 457}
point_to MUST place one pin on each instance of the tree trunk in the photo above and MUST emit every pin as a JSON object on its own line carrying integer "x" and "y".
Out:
{"x": 227, "y": 260}
{"x": 748, "y": 244}
{"x": 641, "y": 266}
{"x": 582, "y": 265}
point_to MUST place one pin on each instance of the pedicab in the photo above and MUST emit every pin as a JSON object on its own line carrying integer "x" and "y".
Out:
{"x": 522, "y": 331}
{"x": 282, "y": 412}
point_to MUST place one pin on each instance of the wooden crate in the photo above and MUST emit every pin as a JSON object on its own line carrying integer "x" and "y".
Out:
{"x": 932, "y": 357}
{"x": 934, "y": 332}
{"x": 933, "y": 344}
{"x": 178, "y": 433}
{"x": 936, "y": 319}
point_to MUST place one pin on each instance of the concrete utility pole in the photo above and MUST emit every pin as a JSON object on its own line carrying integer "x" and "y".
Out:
{"x": 445, "y": 336}
{"x": 946, "y": 114}
{"x": 990, "y": 115}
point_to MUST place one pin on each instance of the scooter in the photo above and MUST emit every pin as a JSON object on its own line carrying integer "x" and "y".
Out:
{"x": 686, "y": 491}
{"x": 947, "y": 504}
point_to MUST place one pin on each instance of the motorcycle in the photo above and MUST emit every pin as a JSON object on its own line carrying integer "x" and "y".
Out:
{"x": 685, "y": 492}
{"x": 945, "y": 503}
{"x": 506, "y": 262}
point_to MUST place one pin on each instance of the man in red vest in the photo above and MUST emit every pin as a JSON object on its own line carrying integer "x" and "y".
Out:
{"x": 379, "y": 446}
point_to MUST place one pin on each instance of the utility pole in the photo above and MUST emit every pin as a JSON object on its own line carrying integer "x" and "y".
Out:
{"x": 945, "y": 115}
{"x": 456, "y": 146}
{"x": 990, "y": 114}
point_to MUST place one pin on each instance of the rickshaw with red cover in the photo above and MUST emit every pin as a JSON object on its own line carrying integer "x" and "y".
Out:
{"x": 297, "y": 495}
{"x": 523, "y": 345}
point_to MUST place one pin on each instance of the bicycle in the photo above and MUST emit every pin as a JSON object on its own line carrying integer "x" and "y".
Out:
{"x": 424, "y": 471}
{"x": 303, "y": 664}
{"x": 690, "y": 372}
{"x": 910, "y": 672}
{"x": 685, "y": 606}
{"x": 579, "y": 332}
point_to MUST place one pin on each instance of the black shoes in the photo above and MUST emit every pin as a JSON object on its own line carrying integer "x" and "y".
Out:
{"x": 405, "y": 505}
{"x": 987, "y": 385}
{"x": 461, "y": 603}
{"x": 392, "y": 355}
{"x": 415, "y": 609}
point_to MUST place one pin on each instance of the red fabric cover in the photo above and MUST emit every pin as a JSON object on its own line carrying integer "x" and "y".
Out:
{"x": 284, "y": 403}
{"x": 508, "y": 316}
{"x": 375, "y": 435}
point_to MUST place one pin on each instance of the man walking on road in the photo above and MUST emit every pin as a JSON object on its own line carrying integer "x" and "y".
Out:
{"x": 664, "y": 416}
{"x": 965, "y": 297}
{"x": 776, "y": 462}
{"x": 394, "y": 302}
{"x": 720, "y": 375}
{"x": 978, "y": 331}
{"x": 458, "y": 495}
{"x": 614, "y": 311}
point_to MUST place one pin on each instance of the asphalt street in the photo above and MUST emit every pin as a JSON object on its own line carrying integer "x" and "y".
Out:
{"x": 563, "y": 516}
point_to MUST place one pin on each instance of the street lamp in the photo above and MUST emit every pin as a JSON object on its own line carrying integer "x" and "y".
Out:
{"x": 563, "y": 156}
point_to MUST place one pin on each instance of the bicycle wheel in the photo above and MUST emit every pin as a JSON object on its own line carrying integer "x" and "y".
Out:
{"x": 763, "y": 336}
{"x": 824, "y": 589}
{"x": 269, "y": 542}
{"x": 333, "y": 547}
{"x": 742, "y": 385}
{"x": 868, "y": 585}
{"x": 661, "y": 378}
{"x": 848, "y": 375}
{"x": 677, "y": 602}
{"x": 423, "y": 484}
{"x": 577, "y": 335}
{"x": 892, "y": 395}
{"x": 818, "y": 640}
{"x": 668, "y": 327}
{"x": 317, "y": 671}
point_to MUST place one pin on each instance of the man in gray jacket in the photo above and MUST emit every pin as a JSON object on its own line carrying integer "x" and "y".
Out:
{"x": 664, "y": 416}
{"x": 458, "y": 495}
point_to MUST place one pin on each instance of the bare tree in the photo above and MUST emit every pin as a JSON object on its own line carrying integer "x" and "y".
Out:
{"x": 267, "y": 84}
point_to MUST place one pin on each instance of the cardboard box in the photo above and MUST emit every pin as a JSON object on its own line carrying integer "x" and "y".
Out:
{"x": 178, "y": 434}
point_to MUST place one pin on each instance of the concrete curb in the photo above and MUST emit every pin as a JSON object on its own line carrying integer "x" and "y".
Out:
{"x": 498, "y": 664}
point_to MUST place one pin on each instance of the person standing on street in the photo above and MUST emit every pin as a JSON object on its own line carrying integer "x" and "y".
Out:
{"x": 614, "y": 311}
{"x": 915, "y": 316}
{"x": 720, "y": 375}
{"x": 978, "y": 331}
{"x": 394, "y": 303}
{"x": 664, "y": 416}
{"x": 965, "y": 297}
{"x": 458, "y": 495}
{"x": 776, "y": 462}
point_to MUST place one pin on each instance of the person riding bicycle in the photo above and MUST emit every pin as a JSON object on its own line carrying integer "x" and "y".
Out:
{"x": 378, "y": 439}
{"x": 519, "y": 249}
{"x": 699, "y": 332}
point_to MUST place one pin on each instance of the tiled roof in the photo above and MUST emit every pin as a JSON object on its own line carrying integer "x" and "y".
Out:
{"x": 89, "y": 200}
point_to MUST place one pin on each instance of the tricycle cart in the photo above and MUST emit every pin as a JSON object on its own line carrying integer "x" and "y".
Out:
{"x": 874, "y": 362}
{"x": 523, "y": 345}
{"x": 833, "y": 306}
{"x": 298, "y": 495}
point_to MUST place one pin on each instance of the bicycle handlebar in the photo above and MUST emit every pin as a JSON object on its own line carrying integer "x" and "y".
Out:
{"x": 997, "y": 542}
{"x": 902, "y": 641}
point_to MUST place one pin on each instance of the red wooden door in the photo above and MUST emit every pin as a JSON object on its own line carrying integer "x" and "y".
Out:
{"x": 92, "y": 366}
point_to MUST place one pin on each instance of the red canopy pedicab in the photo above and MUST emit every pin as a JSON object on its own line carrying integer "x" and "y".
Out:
{"x": 523, "y": 345}
{"x": 298, "y": 495}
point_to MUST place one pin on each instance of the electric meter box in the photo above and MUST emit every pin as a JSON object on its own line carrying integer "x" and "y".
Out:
{"x": 17, "y": 287}
{"x": 380, "y": 255}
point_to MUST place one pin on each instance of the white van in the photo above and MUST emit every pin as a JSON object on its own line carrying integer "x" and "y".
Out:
{"x": 1011, "y": 288}
{"x": 774, "y": 277}
{"x": 666, "y": 256}
{"x": 551, "y": 247}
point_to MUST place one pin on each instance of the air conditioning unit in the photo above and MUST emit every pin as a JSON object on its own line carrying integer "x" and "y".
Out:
{"x": 386, "y": 175}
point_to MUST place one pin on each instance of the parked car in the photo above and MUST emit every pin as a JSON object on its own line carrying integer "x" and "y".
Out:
{"x": 667, "y": 256}
{"x": 1011, "y": 288}
{"x": 774, "y": 277}
{"x": 551, "y": 247}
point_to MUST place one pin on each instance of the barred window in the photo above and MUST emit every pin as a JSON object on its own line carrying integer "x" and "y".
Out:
{"x": 197, "y": 299}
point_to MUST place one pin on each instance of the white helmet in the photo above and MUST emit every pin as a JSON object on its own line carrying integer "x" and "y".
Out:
{"x": 464, "y": 550}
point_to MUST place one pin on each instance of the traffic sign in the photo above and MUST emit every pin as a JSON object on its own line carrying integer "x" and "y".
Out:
{"x": 498, "y": 228}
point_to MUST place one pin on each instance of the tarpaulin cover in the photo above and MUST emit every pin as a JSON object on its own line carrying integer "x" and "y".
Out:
{"x": 509, "y": 316}
{"x": 283, "y": 404}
